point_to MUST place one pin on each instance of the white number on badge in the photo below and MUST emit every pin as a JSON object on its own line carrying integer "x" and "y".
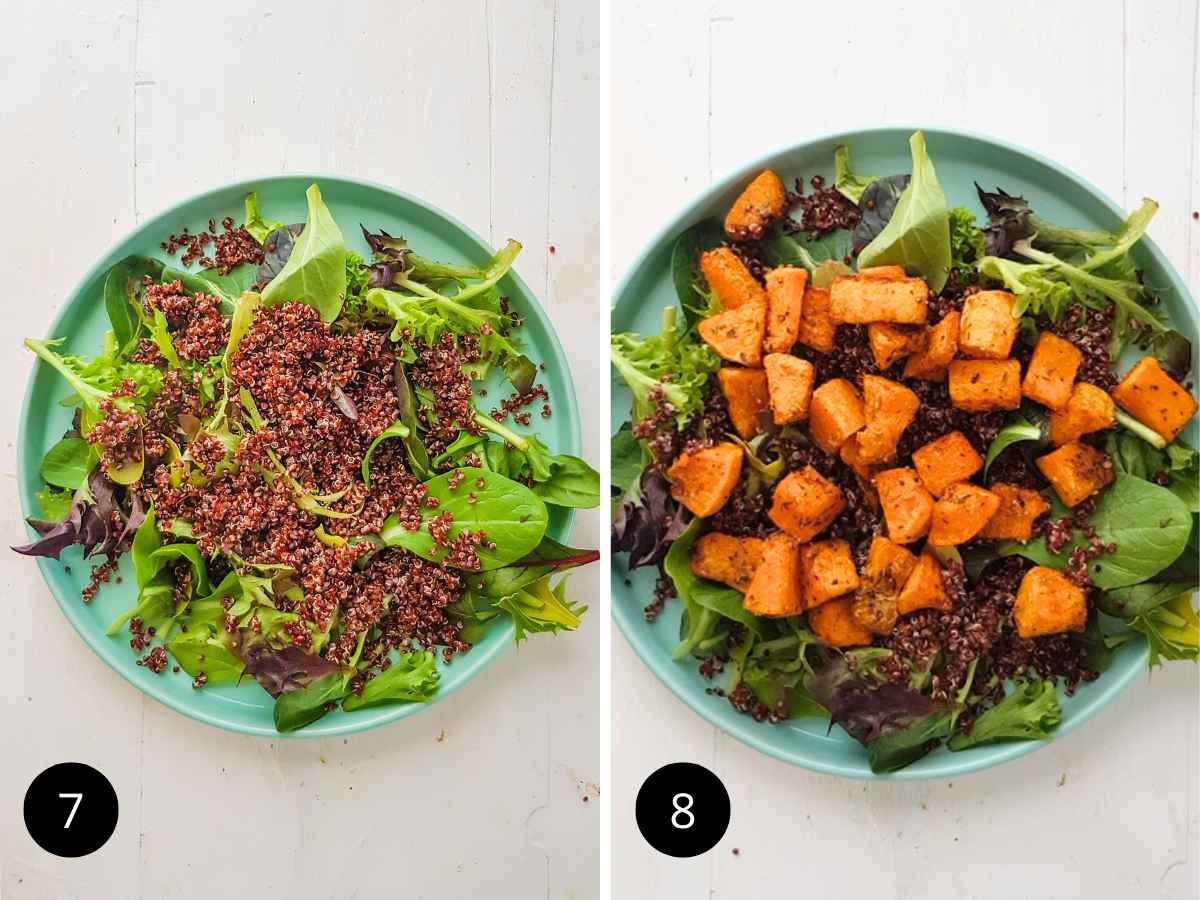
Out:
{"x": 682, "y": 809}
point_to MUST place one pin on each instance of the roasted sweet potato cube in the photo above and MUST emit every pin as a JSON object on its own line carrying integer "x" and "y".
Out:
{"x": 761, "y": 203}
{"x": 907, "y": 505}
{"x": 1048, "y": 603}
{"x": 941, "y": 343}
{"x": 924, "y": 588}
{"x": 817, "y": 329}
{"x": 776, "y": 588}
{"x": 1155, "y": 399}
{"x": 826, "y": 571}
{"x": 702, "y": 480}
{"x": 1018, "y": 510}
{"x": 889, "y": 408}
{"x": 726, "y": 558}
{"x": 979, "y": 385}
{"x": 1076, "y": 471}
{"x": 730, "y": 280}
{"x": 737, "y": 334}
{"x": 988, "y": 327}
{"x": 1051, "y": 371}
{"x": 746, "y": 396}
{"x": 785, "y": 306}
{"x": 835, "y": 413}
{"x": 851, "y": 456}
{"x": 876, "y": 601}
{"x": 1088, "y": 410}
{"x": 860, "y": 301}
{"x": 891, "y": 343}
{"x": 883, "y": 273}
{"x": 960, "y": 513}
{"x": 790, "y": 385}
{"x": 945, "y": 461}
{"x": 805, "y": 503}
{"x": 834, "y": 623}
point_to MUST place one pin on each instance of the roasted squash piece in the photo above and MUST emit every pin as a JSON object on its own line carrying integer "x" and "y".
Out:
{"x": 737, "y": 334}
{"x": 924, "y": 588}
{"x": 1076, "y": 471}
{"x": 776, "y": 588}
{"x": 945, "y": 461}
{"x": 941, "y": 343}
{"x": 817, "y": 329}
{"x": 891, "y": 343}
{"x": 1019, "y": 509}
{"x": 826, "y": 571}
{"x": 805, "y": 503}
{"x": 785, "y": 306}
{"x": 907, "y": 505}
{"x": 960, "y": 513}
{"x": 1051, "y": 371}
{"x": 702, "y": 480}
{"x": 860, "y": 301}
{"x": 730, "y": 280}
{"x": 988, "y": 327}
{"x": 761, "y": 203}
{"x": 746, "y": 396}
{"x": 1155, "y": 399}
{"x": 790, "y": 385}
{"x": 979, "y": 385}
{"x": 834, "y": 623}
{"x": 1048, "y": 603}
{"x": 876, "y": 603}
{"x": 883, "y": 273}
{"x": 726, "y": 558}
{"x": 1089, "y": 409}
{"x": 889, "y": 408}
{"x": 851, "y": 456}
{"x": 835, "y": 413}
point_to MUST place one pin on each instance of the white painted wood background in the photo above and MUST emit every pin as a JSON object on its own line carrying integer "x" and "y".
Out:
{"x": 113, "y": 111}
{"x": 1109, "y": 89}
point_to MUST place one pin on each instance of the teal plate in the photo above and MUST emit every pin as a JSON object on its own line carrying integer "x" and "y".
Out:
{"x": 246, "y": 707}
{"x": 960, "y": 159}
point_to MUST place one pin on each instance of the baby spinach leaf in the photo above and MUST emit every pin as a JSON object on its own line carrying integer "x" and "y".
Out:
{"x": 258, "y": 227}
{"x": 122, "y": 296}
{"x": 414, "y": 447}
{"x": 690, "y": 285}
{"x": 541, "y": 609}
{"x": 295, "y": 709}
{"x": 55, "y": 504}
{"x": 198, "y": 653}
{"x": 413, "y": 678}
{"x": 68, "y": 463}
{"x": 571, "y": 483}
{"x": 1016, "y": 430}
{"x": 850, "y": 185}
{"x": 1174, "y": 351}
{"x": 243, "y": 317}
{"x": 169, "y": 554}
{"x": 277, "y": 249}
{"x": 315, "y": 272}
{"x": 775, "y": 669}
{"x": 893, "y": 750}
{"x": 876, "y": 206}
{"x": 235, "y": 282}
{"x": 626, "y": 462}
{"x": 1029, "y": 712}
{"x": 1140, "y": 599}
{"x": 146, "y": 540}
{"x": 549, "y": 556}
{"x": 785, "y": 248}
{"x": 395, "y": 430}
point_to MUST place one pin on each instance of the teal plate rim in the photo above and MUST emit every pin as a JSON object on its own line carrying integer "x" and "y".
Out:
{"x": 467, "y": 665}
{"x": 678, "y": 676}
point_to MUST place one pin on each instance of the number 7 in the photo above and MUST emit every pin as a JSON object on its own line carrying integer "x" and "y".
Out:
{"x": 74, "y": 808}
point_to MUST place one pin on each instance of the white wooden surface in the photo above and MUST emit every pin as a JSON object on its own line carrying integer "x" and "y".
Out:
{"x": 1109, "y": 811}
{"x": 113, "y": 111}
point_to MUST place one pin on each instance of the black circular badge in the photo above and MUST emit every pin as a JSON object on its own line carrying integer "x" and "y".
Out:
{"x": 71, "y": 810}
{"x": 682, "y": 809}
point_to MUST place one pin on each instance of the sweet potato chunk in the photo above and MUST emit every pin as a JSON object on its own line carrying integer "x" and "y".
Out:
{"x": 1018, "y": 510}
{"x": 891, "y": 343}
{"x": 1155, "y": 399}
{"x": 826, "y": 571}
{"x": 978, "y": 385}
{"x": 924, "y": 588}
{"x": 730, "y": 280}
{"x": 785, "y": 306}
{"x": 835, "y": 413}
{"x": 907, "y": 505}
{"x": 883, "y": 273}
{"x": 746, "y": 395}
{"x": 851, "y": 456}
{"x": 1051, "y": 371}
{"x": 834, "y": 623}
{"x": 961, "y": 513}
{"x": 876, "y": 601}
{"x": 941, "y": 343}
{"x": 790, "y": 385}
{"x": 776, "y": 588}
{"x": 761, "y": 203}
{"x": 860, "y": 301}
{"x": 889, "y": 408}
{"x": 702, "y": 480}
{"x": 737, "y": 334}
{"x": 805, "y": 503}
{"x": 817, "y": 329}
{"x": 726, "y": 558}
{"x": 988, "y": 327}
{"x": 1088, "y": 410}
{"x": 945, "y": 461}
{"x": 1076, "y": 471}
{"x": 1048, "y": 603}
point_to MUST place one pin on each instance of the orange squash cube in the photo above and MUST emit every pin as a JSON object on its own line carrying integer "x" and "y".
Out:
{"x": 907, "y": 505}
{"x": 776, "y": 589}
{"x": 817, "y": 329}
{"x": 826, "y": 571}
{"x": 889, "y": 408}
{"x": 1076, "y": 471}
{"x": 1019, "y": 509}
{"x": 1089, "y": 409}
{"x": 851, "y": 456}
{"x": 747, "y": 397}
{"x": 1051, "y": 371}
{"x": 925, "y": 588}
{"x": 891, "y": 343}
{"x": 988, "y": 327}
{"x": 945, "y": 461}
{"x": 860, "y": 301}
{"x": 941, "y": 343}
{"x": 785, "y": 307}
{"x": 1155, "y": 399}
{"x": 728, "y": 559}
{"x": 761, "y": 203}
{"x": 835, "y": 413}
{"x": 960, "y": 513}
{"x": 883, "y": 273}
{"x": 730, "y": 280}
{"x": 790, "y": 386}
{"x": 805, "y": 503}
{"x": 834, "y": 623}
{"x": 737, "y": 334}
{"x": 887, "y": 570}
{"x": 1048, "y": 603}
{"x": 702, "y": 480}
{"x": 979, "y": 385}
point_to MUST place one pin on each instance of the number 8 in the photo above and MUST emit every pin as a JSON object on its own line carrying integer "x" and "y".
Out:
{"x": 681, "y": 810}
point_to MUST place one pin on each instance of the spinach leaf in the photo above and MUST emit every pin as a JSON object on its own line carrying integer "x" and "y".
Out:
{"x": 512, "y": 517}
{"x": 690, "y": 285}
{"x": 67, "y": 463}
{"x": 244, "y": 312}
{"x": 413, "y": 678}
{"x": 146, "y": 540}
{"x": 572, "y": 483}
{"x": 540, "y": 608}
{"x": 549, "y": 556}
{"x": 395, "y": 430}
{"x": 315, "y": 272}
{"x": 785, "y": 248}
{"x": 258, "y": 227}
{"x": 1179, "y": 462}
{"x": 1171, "y": 626}
{"x": 918, "y": 234}
{"x": 277, "y": 249}
{"x": 122, "y": 297}
{"x": 414, "y": 447}
{"x": 1016, "y": 430}
{"x": 876, "y": 206}
{"x": 169, "y": 554}
{"x": 893, "y": 750}
{"x": 198, "y": 653}
{"x": 626, "y": 463}
{"x": 1174, "y": 351}
{"x": 236, "y": 281}
{"x": 775, "y": 666}
{"x": 56, "y": 505}
{"x": 295, "y": 709}
{"x": 1142, "y": 599}
{"x": 1029, "y": 712}
{"x": 850, "y": 186}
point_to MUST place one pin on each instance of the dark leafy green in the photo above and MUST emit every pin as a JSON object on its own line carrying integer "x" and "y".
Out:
{"x": 412, "y": 678}
{"x": 876, "y": 206}
{"x": 547, "y": 558}
{"x": 695, "y": 296}
{"x": 1029, "y": 712}
{"x": 68, "y": 463}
